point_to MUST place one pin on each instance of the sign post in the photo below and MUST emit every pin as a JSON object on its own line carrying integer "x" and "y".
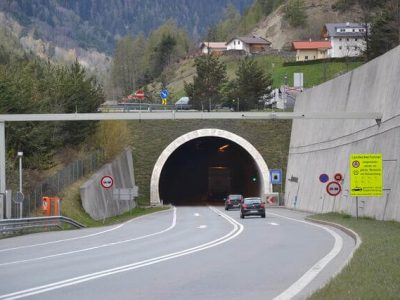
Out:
{"x": 366, "y": 178}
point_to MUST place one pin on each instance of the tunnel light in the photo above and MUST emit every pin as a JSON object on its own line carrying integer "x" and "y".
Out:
{"x": 223, "y": 148}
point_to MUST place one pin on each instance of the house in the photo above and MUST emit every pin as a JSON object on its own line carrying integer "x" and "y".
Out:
{"x": 347, "y": 39}
{"x": 213, "y": 47}
{"x": 311, "y": 50}
{"x": 249, "y": 45}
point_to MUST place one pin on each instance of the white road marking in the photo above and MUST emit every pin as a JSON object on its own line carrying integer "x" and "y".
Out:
{"x": 273, "y": 224}
{"x": 196, "y": 214}
{"x": 202, "y": 226}
{"x": 307, "y": 277}
{"x": 79, "y": 237}
{"x": 96, "y": 247}
{"x": 237, "y": 229}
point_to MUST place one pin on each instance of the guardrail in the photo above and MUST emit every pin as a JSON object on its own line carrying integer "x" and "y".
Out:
{"x": 13, "y": 225}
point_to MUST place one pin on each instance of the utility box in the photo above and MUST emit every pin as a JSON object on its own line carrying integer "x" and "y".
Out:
{"x": 51, "y": 206}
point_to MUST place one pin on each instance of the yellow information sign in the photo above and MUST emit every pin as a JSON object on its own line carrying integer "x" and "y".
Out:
{"x": 366, "y": 175}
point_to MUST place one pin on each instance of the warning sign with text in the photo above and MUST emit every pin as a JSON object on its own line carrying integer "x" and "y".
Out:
{"x": 366, "y": 175}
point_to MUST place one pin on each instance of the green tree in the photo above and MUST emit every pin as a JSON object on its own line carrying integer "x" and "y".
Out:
{"x": 295, "y": 12}
{"x": 385, "y": 30}
{"x": 251, "y": 84}
{"x": 205, "y": 91}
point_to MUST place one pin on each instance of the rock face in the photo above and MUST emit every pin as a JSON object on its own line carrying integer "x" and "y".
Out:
{"x": 325, "y": 146}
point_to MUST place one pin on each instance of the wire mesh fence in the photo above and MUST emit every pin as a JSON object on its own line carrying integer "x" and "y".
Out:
{"x": 53, "y": 185}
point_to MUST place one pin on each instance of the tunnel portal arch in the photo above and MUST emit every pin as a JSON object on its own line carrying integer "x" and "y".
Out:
{"x": 265, "y": 182}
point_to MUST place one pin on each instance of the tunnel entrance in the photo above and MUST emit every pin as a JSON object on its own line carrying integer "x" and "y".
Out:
{"x": 207, "y": 169}
{"x": 205, "y": 165}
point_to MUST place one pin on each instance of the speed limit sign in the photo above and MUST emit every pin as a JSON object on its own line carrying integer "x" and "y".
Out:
{"x": 107, "y": 182}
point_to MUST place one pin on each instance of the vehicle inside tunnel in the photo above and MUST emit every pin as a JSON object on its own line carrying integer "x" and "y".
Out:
{"x": 207, "y": 169}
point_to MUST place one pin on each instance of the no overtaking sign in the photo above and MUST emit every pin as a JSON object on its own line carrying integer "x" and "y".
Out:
{"x": 107, "y": 182}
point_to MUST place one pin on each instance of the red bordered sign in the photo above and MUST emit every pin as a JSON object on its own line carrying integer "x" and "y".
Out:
{"x": 107, "y": 182}
{"x": 338, "y": 177}
{"x": 333, "y": 188}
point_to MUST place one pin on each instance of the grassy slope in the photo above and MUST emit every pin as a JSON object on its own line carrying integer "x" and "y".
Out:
{"x": 374, "y": 271}
{"x": 314, "y": 74}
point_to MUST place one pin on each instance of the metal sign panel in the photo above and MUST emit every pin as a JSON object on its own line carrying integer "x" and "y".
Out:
{"x": 276, "y": 176}
{"x": 366, "y": 175}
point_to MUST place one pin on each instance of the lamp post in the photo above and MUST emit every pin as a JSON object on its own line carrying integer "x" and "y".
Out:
{"x": 20, "y": 154}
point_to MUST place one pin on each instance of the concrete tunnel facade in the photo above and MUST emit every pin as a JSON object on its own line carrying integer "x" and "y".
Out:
{"x": 264, "y": 182}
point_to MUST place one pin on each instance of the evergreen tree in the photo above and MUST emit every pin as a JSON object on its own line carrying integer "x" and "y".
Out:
{"x": 251, "y": 84}
{"x": 205, "y": 91}
{"x": 385, "y": 30}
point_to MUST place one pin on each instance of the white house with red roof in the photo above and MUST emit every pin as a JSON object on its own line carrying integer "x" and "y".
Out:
{"x": 311, "y": 50}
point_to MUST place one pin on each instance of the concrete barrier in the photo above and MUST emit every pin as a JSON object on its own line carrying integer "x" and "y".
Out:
{"x": 98, "y": 201}
{"x": 324, "y": 146}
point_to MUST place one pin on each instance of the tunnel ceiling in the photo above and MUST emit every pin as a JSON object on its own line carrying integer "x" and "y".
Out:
{"x": 206, "y": 169}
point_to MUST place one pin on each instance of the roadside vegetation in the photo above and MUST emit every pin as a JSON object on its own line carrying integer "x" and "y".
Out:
{"x": 373, "y": 272}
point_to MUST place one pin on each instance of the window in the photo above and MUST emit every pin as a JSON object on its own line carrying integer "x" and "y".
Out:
{"x": 340, "y": 47}
{"x": 340, "y": 39}
{"x": 342, "y": 30}
{"x": 234, "y": 43}
{"x": 238, "y": 42}
{"x": 354, "y": 30}
{"x": 355, "y": 48}
{"x": 356, "y": 39}
{"x": 347, "y": 39}
{"x": 306, "y": 57}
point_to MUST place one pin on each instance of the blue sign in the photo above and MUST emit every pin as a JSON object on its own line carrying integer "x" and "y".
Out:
{"x": 276, "y": 176}
{"x": 323, "y": 178}
{"x": 164, "y": 94}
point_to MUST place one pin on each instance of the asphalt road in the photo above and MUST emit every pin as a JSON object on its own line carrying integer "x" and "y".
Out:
{"x": 183, "y": 253}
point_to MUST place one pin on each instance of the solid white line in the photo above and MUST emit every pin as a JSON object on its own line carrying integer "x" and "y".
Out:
{"x": 307, "y": 277}
{"x": 237, "y": 229}
{"x": 80, "y": 237}
{"x": 95, "y": 247}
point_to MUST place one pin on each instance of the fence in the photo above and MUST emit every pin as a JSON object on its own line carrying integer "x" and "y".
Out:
{"x": 53, "y": 185}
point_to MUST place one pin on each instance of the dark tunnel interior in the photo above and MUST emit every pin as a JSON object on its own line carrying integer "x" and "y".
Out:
{"x": 206, "y": 170}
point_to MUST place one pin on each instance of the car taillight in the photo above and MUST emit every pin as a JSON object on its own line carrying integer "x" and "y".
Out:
{"x": 262, "y": 205}
{"x": 229, "y": 201}
{"x": 244, "y": 205}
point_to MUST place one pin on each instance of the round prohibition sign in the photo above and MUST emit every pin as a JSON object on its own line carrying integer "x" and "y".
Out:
{"x": 333, "y": 188}
{"x": 107, "y": 182}
{"x": 355, "y": 164}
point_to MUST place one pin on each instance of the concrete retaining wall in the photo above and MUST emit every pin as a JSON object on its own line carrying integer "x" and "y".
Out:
{"x": 97, "y": 201}
{"x": 324, "y": 146}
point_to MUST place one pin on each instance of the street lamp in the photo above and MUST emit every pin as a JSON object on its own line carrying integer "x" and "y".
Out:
{"x": 20, "y": 154}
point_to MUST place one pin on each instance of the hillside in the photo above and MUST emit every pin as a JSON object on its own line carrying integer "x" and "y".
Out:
{"x": 277, "y": 30}
{"x": 100, "y": 23}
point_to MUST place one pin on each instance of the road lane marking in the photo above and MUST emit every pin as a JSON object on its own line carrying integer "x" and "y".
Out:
{"x": 273, "y": 223}
{"x": 237, "y": 229}
{"x": 307, "y": 277}
{"x": 80, "y": 237}
{"x": 95, "y": 247}
{"x": 202, "y": 226}
{"x": 196, "y": 214}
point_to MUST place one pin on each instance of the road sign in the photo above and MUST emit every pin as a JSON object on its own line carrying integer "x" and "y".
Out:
{"x": 324, "y": 178}
{"x": 333, "y": 188}
{"x": 276, "y": 176}
{"x": 139, "y": 94}
{"x": 338, "y": 177}
{"x": 164, "y": 94}
{"x": 366, "y": 175}
{"x": 107, "y": 182}
{"x": 19, "y": 197}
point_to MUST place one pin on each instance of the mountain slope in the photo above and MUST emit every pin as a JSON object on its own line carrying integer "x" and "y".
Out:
{"x": 277, "y": 30}
{"x": 99, "y": 23}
